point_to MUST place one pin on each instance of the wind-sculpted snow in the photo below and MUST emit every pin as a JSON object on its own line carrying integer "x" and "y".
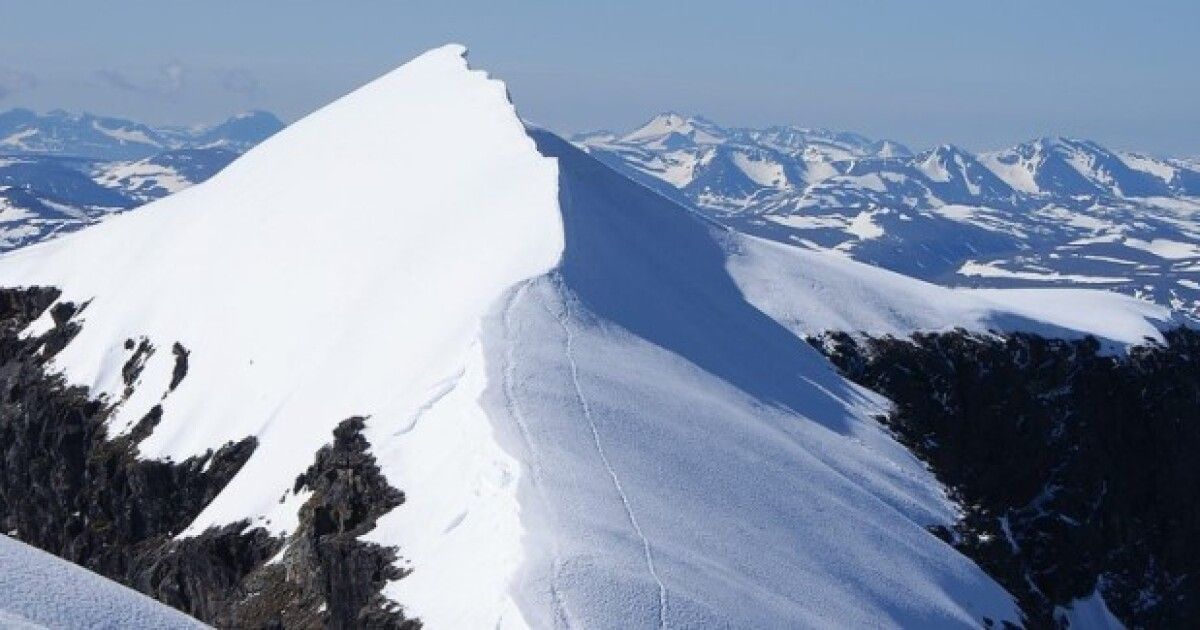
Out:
{"x": 38, "y": 590}
{"x": 1049, "y": 212}
{"x": 599, "y": 406}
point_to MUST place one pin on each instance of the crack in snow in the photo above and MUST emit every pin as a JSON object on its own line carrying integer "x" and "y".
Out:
{"x": 441, "y": 390}
{"x": 587, "y": 414}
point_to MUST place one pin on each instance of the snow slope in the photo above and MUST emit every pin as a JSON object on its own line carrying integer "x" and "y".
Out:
{"x": 810, "y": 292}
{"x": 38, "y": 590}
{"x": 691, "y": 462}
{"x": 454, "y": 213}
{"x": 596, "y": 403}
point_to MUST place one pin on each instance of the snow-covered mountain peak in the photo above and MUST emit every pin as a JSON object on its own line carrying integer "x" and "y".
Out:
{"x": 276, "y": 271}
{"x": 943, "y": 153}
{"x": 600, "y": 407}
{"x": 1070, "y": 167}
{"x": 664, "y": 123}
{"x": 675, "y": 128}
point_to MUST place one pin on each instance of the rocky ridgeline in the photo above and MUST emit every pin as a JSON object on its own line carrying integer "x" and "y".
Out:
{"x": 1075, "y": 470}
{"x": 68, "y": 487}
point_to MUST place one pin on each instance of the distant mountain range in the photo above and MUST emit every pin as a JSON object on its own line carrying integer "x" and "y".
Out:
{"x": 23, "y": 132}
{"x": 1051, "y": 211}
{"x": 60, "y": 171}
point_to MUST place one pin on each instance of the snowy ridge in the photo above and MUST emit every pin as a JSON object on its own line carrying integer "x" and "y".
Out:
{"x": 451, "y": 169}
{"x": 598, "y": 405}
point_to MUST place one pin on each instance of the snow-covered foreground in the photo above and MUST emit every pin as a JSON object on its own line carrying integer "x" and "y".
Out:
{"x": 38, "y": 590}
{"x": 597, "y": 404}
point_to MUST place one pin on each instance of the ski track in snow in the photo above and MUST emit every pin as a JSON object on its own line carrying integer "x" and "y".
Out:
{"x": 561, "y": 612}
{"x": 563, "y": 318}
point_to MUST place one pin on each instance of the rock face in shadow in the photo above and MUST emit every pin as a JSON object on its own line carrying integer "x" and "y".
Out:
{"x": 68, "y": 487}
{"x": 1075, "y": 471}
{"x": 326, "y": 576}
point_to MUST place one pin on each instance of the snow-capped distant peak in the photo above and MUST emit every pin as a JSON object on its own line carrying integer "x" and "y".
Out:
{"x": 125, "y": 134}
{"x": 666, "y": 126}
{"x": 939, "y": 163}
{"x": 661, "y": 125}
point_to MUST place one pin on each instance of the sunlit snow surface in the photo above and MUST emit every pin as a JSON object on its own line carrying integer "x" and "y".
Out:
{"x": 38, "y": 590}
{"x": 598, "y": 405}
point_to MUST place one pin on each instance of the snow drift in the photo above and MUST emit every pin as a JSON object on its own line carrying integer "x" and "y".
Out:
{"x": 598, "y": 405}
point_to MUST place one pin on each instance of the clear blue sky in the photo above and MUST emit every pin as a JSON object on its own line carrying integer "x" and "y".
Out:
{"x": 978, "y": 73}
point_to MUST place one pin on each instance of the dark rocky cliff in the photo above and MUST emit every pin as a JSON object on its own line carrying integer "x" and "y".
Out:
{"x": 1075, "y": 470}
{"x": 68, "y": 487}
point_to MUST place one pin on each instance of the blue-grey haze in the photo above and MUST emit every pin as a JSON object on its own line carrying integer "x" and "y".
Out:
{"x": 979, "y": 74}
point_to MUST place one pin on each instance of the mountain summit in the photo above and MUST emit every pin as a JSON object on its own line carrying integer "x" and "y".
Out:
{"x": 496, "y": 383}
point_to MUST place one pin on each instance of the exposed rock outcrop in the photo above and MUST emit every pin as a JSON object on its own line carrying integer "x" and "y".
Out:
{"x": 68, "y": 487}
{"x": 1075, "y": 470}
{"x": 326, "y": 576}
